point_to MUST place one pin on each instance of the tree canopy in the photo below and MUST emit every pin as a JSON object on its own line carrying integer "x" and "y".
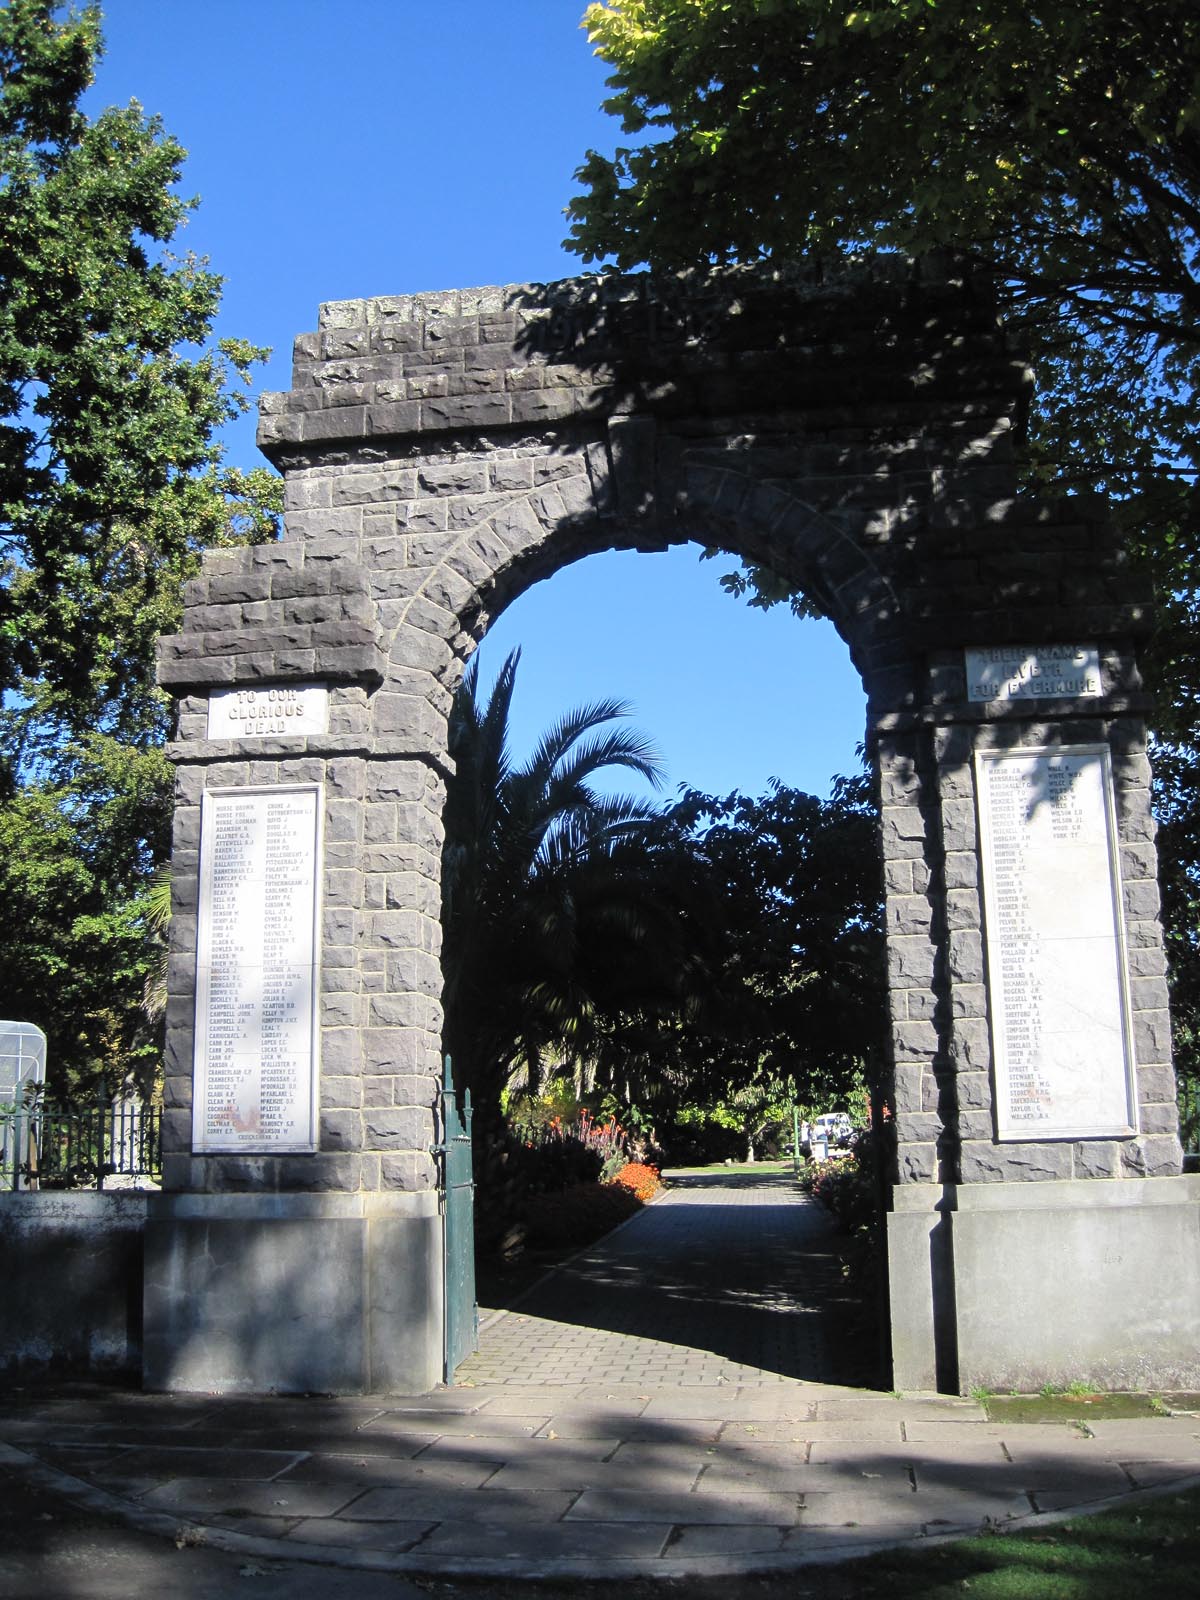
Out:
{"x": 776, "y": 902}
{"x": 112, "y": 394}
{"x": 1056, "y": 149}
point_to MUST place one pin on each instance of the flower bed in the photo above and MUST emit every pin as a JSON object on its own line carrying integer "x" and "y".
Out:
{"x": 641, "y": 1180}
{"x": 586, "y": 1211}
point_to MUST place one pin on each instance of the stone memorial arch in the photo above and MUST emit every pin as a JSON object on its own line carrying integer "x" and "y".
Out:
{"x": 441, "y": 452}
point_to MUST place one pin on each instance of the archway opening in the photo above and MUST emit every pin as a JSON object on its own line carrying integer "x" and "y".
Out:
{"x": 757, "y": 719}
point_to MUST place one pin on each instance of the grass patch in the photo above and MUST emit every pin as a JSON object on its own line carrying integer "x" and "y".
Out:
{"x": 721, "y": 1169}
{"x": 1071, "y": 1406}
{"x": 1151, "y": 1550}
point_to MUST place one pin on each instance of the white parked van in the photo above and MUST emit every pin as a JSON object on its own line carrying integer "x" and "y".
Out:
{"x": 836, "y": 1129}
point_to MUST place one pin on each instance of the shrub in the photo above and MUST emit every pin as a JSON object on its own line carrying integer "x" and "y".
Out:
{"x": 554, "y": 1155}
{"x": 846, "y": 1185}
{"x": 580, "y": 1215}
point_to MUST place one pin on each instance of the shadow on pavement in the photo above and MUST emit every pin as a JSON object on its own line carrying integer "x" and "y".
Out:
{"x": 740, "y": 1266}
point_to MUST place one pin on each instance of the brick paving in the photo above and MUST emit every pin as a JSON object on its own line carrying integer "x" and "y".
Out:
{"x": 655, "y": 1407}
{"x": 717, "y": 1283}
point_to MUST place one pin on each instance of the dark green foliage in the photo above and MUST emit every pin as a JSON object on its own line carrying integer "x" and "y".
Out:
{"x": 111, "y": 485}
{"x": 778, "y": 901}
{"x": 579, "y": 1216}
{"x": 550, "y": 1167}
{"x": 528, "y": 887}
{"x": 75, "y": 951}
{"x": 1057, "y": 150}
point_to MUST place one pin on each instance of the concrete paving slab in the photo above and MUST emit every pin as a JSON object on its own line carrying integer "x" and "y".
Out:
{"x": 85, "y": 1458}
{"x": 872, "y": 1507}
{"x": 675, "y": 1477}
{"x": 535, "y": 1545}
{"x": 248, "y": 1496}
{"x": 811, "y": 1539}
{"x": 739, "y": 1434}
{"x": 724, "y": 1540}
{"x": 364, "y": 1472}
{"x": 394, "y": 1536}
{"x": 850, "y": 1432}
{"x": 597, "y": 1425}
{"x": 444, "y": 1504}
{"x": 630, "y": 1505}
{"x": 432, "y": 1425}
{"x": 793, "y": 1477}
{"x": 665, "y": 1429}
{"x": 833, "y": 1451}
{"x": 951, "y": 1432}
{"x": 521, "y": 1402}
{"x": 381, "y": 1444}
{"x": 650, "y": 1432}
{"x": 1135, "y": 1434}
{"x": 182, "y": 1462}
{"x": 1064, "y": 1498}
{"x": 254, "y": 1527}
{"x": 470, "y": 1447}
{"x": 1145, "y": 1474}
{"x": 883, "y": 1408}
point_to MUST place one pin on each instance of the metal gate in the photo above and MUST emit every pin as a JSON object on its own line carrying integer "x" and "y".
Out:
{"x": 458, "y": 1232}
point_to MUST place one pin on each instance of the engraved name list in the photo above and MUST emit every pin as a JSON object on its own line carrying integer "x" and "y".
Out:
{"x": 1055, "y": 956}
{"x": 255, "y": 1070}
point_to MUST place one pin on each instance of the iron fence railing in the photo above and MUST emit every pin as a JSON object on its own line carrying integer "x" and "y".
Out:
{"x": 51, "y": 1147}
{"x": 1189, "y": 1122}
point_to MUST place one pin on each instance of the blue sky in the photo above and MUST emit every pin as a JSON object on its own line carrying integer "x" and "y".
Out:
{"x": 389, "y": 146}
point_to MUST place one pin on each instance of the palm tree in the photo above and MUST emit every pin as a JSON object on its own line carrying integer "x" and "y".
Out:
{"x": 538, "y": 867}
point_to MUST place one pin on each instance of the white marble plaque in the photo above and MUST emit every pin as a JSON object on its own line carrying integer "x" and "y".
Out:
{"x": 1034, "y": 672}
{"x": 1057, "y": 988}
{"x": 263, "y": 713}
{"x": 257, "y": 978}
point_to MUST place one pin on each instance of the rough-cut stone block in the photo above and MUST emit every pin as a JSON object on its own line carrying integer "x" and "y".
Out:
{"x": 911, "y": 956}
{"x": 341, "y": 1129}
{"x": 909, "y": 914}
{"x": 1014, "y": 1163}
{"x": 1152, "y": 1156}
{"x": 965, "y": 955}
{"x": 1151, "y": 1037}
{"x": 418, "y": 971}
{"x": 405, "y": 1011}
{"x": 914, "y": 1039}
{"x": 467, "y": 411}
{"x": 968, "y": 1000}
{"x": 412, "y": 1170}
{"x": 961, "y": 870}
{"x": 399, "y": 1128}
{"x": 1155, "y": 1083}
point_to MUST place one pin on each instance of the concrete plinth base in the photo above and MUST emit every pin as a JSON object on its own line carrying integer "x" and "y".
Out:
{"x": 1016, "y": 1285}
{"x": 293, "y": 1293}
{"x": 71, "y": 1266}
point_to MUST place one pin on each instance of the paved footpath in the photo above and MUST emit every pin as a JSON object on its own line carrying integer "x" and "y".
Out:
{"x": 657, "y": 1407}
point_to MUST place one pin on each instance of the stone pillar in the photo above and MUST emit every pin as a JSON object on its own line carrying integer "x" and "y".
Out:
{"x": 307, "y": 1261}
{"x": 1015, "y": 1259}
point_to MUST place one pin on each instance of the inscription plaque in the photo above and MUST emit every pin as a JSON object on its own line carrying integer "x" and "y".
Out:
{"x": 255, "y": 1067}
{"x": 262, "y": 713}
{"x": 1034, "y": 672}
{"x": 1057, "y": 988}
